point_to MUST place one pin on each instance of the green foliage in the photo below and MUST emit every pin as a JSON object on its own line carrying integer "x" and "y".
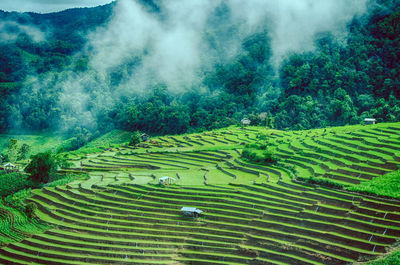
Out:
{"x": 16, "y": 152}
{"x": 14, "y": 208}
{"x": 30, "y": 209}
{"x": 334, "y": 85}
{"x": 43, "y": 167}
{"x": 12, "y": 150}
{"x": 17, "y": 199}
{"x": 24, "y": 151}
{"x": 3, "y": 158}
{"x": 135, "y": 139}
{"x": 37, "y": 142}
{"x": 392, "y": 259}
{"x": 13, "y": 182}
{"x": 387, "y": 185}
{"x": 339, "y": 85}
{"x": 261, "y": 155}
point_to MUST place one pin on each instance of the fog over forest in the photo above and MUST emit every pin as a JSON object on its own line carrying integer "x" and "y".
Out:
{"x": 174, "y": 66}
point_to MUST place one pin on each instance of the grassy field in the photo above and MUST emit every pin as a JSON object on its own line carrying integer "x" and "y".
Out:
{"x": 38, "y": 143}
{"x": 386, "y": 185}
{"x": 255, "y": 213}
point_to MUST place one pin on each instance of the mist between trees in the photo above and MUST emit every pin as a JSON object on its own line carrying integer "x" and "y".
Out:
{"x": 167, "y": 67}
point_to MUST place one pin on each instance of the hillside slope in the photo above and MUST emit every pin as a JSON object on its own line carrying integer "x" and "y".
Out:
{"x": 255, "y": 213}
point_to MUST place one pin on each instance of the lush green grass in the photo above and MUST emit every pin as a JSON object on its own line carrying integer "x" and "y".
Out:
{"x": 392, "y": 259}
{"x": 13, "y": 182}
{"x": 114, "y": 137}
{"x": 38, "y": 143}
{"x": 108, "y": 140}
{"x": 387, "y": 185}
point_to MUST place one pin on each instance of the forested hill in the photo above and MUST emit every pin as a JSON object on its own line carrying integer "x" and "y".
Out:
{"x": 342, "y": 81}
{"x": 48, "y": 38}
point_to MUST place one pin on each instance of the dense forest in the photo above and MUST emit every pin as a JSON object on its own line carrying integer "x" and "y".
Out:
{"x": 340, "y": 82}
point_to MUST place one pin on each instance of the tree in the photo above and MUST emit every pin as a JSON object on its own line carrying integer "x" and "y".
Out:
{"x": 30, "y": 210}
{"x": 43, "y": 167}
{"x": 12, "y": 150}
{"x": 135, "y": 139}
{"x": 23, "y": 152}
{"x": 3, "y": 158}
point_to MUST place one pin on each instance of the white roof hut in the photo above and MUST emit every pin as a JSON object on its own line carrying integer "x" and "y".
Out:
{"x": 9, "y": 165}
{"x": 191, "y": 211}
{"x": 144, "y": 137}
{"x": 166, "y": 180}
{"x": 369, "y": 121}
{"x": 245, "y": 121}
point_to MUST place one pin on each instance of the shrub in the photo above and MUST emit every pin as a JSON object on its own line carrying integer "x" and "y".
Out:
{"x": 269, "y": 156}
{"x": 135, "y": 139}
{"x": 23, "y": 152}
{"x": 17, "y": 199}
{"x": 30, "y": 209}
{"x": 43, "y": 166}
{"x": 387, "y": 185}
{"x": 13, "y": 182}
{"x": 259, "y": 156}
{"x": 392, "y": 259}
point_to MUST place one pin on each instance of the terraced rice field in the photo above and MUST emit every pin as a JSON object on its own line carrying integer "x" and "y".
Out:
{"x": 254, "y": 214}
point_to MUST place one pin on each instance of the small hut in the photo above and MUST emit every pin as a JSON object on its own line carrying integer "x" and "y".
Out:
{"x": 144, "y": 137}
{"x": 166, "y": 180}
{"x": 368, "y": 121}
{"x": 191, "y": 211}
{"x": 9, "y": 167}
{"x": 245, "y": 121}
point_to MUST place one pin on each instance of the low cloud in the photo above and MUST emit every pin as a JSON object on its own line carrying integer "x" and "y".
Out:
{"x": 10, "y": 30}
{"x": 293, "y": 24}
{"x": 176, "y": 45}
{"x": 172, "y": 48}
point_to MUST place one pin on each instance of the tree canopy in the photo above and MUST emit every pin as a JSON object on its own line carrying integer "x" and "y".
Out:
{"x": 338, "y": 83}
{"x": 43, "y": 167}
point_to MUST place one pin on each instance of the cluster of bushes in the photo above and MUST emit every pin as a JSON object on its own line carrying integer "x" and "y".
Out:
{"x": 259, "y": 154}
{"x": 387, "y": 185}
{"x": 135, "y": 138}
{"x": 17, "y": 199}
{"x": 392, "y": 259}
{"x": 15, "y": 187}
{"x": 15, "y": 151}
{"x": 42, "y": 169}
{"x": 13, "y": 182}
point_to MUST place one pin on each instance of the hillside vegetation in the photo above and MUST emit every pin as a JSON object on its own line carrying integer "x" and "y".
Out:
{"x": 307, "y": 183}
{"x": 256, "y": 211}
{"x": 340, "y": 82}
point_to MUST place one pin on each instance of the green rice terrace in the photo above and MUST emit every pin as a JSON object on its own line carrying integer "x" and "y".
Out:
{"x": 299, "y": 205}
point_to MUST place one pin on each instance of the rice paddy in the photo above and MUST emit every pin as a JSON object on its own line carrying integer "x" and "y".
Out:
{"x": 253, "y": 213}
